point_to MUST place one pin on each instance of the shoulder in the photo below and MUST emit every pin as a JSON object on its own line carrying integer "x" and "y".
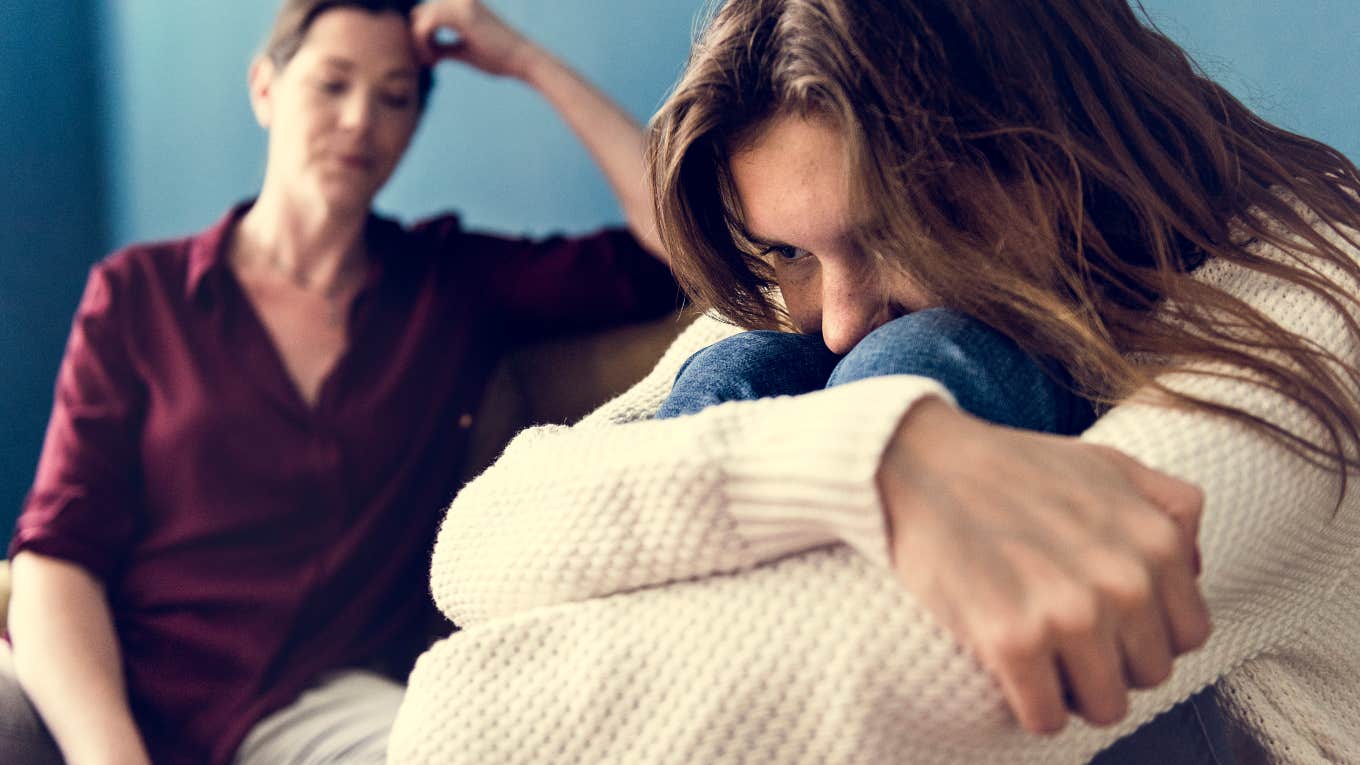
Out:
{"x": 1288, "y": 251}
{"x": 448, "y": 235}
{"x": 138, "y": 259}
{"x": 446, "y": 225}
{"x": 142, "y": 268}
{"x": 438, "y": 242}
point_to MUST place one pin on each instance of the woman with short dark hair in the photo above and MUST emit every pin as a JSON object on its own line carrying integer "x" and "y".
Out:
{"x": 223, "y": 557}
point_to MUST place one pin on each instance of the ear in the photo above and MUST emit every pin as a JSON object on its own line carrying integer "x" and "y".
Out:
{"x": 261, "y": 83}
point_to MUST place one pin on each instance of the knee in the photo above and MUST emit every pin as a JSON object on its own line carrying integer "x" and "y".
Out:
{"x": 750, "y": 358}
{"x": 748, "y": 366}
{"x": 750, "y": 352}
{"x": 936, "y": 342}
{"x": 988, "y": 374}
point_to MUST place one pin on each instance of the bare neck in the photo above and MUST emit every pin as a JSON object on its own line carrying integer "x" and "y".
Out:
{"x": 314, "y": 247}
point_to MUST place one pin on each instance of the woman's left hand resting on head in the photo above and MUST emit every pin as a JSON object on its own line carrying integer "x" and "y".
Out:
{"x": 483, "y": 40}
{"x": 611, "y": 135}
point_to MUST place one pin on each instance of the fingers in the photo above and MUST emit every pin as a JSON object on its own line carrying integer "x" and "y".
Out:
{"x": 1187, "y": 615}
{"x": 1025, "y": 670}
{"x": 424, "y": 24}
{"x": 1094, "y": 674}
{"x": 1171, "y": 556}
{"x": 436, "y": 29}
{"x": 1109, "y": 621}
{"x": 1145, "y": 645}
{"x": 1182, "y": 501}
{"x": 1173, "y": 553}
{"x": 1075, "y": 667}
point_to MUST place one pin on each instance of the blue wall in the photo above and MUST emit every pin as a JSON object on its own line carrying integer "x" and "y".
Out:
{"x": 1293, "y": 61}
{"x": 127, "y": 120}
{"x": 185, "y": 143}
{"x": 52, "y": 220}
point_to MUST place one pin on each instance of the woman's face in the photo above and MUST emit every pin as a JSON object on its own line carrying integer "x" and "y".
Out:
{"x": 341, "y": 113}
{"x": 794, "y": 188}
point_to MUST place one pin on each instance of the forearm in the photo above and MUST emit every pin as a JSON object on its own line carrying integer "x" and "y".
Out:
{"x": 67, "y": 659}
{"x": 816, "y": 658}
{"x": 569, "y": 514}
{"x": 613, "y": 138}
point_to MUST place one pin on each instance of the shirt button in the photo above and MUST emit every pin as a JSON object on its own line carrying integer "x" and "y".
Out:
{"x": 465, "y": 420}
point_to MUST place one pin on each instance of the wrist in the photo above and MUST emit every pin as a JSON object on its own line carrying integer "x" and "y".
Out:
{"x": 529, "y": 63}
{"x": 113, "y": 741}
{"x": 129, "y": 755}
{"x": 928, "y": 427}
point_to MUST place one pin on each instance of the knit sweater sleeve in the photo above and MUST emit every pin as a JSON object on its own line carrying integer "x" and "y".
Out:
{"x": 822, "y": 656}
{"x": 621, "y": 501}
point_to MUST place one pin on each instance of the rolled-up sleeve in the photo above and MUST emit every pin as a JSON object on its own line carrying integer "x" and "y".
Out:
{"x": 82, "y": 506}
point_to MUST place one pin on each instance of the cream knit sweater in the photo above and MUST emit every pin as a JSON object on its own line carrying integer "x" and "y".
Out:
{"x": 634, "y": 591}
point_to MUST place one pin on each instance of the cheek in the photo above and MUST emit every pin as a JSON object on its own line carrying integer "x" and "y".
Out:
{"x": 304, "y": 131}
{"x": 396, "y": 133}
{"x": 314, "y": 114}
{"x": 294, "y": 137}
{"x": 803, "y": 299}
{"x": 910, "y": 295}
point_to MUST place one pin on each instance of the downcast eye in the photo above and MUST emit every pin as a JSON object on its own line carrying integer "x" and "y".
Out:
{"x": 787, "y": 253}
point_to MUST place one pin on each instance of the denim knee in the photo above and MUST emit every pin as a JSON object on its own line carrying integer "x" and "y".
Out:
{"x": 988, "y": 374}
{"x": 751, "y": 365}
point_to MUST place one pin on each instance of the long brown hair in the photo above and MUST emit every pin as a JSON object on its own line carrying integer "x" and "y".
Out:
{"x": 1056, "y": 168}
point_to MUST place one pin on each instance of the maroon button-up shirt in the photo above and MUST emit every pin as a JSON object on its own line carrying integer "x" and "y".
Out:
{"x": 248, "y": 542}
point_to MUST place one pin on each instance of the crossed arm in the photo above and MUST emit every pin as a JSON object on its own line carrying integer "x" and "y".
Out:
{"x": 593, "y": 518}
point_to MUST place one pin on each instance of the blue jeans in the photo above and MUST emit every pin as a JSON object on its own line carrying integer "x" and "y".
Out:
{"x": 991, "y": 378}
{"x": 988, "y": 375}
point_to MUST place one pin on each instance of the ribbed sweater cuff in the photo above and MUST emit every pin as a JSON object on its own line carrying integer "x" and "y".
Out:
{"x": 802, "y": 472}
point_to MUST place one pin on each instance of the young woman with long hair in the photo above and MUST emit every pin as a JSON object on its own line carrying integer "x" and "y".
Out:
{"x": 1059, "y": 173}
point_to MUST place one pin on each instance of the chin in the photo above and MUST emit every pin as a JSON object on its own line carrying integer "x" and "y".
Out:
{"x": 345, "y": 198}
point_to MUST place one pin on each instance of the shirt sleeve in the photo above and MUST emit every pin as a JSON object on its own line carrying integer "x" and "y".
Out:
{"x": 544, "y": 286}
{"x": 82, "y": 506}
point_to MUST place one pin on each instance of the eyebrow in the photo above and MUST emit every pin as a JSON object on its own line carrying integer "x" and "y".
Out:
{"x": 765, "y": 245}
{"x": 759, "y": 241}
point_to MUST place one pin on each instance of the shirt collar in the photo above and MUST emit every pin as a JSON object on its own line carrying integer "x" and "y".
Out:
{"x": 207, "y": 251}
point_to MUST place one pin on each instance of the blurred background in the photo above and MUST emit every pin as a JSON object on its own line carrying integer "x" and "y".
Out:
{"x": 127, "y": 120}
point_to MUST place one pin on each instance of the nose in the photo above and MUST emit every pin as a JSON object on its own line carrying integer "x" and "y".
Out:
{"x": 853, "y": 305}
{"x": 356, "y": 113}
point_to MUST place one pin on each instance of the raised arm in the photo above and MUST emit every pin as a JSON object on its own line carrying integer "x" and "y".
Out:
{"x": 609, "y": 133}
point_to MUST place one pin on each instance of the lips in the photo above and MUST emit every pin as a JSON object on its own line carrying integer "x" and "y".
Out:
{"x": 356, "y": 161}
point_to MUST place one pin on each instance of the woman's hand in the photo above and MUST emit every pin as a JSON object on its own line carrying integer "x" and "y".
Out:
{"x": 483, "y": 39}
{"x": 1069, "y": 569}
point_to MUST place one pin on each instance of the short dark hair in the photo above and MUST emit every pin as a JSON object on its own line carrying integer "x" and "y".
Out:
{"x": 296, "y": 17}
